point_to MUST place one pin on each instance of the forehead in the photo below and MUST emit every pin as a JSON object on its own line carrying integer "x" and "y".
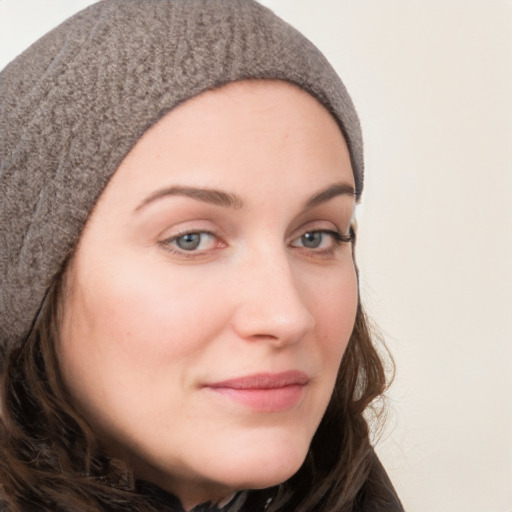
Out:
{"x": 249, "y": 112}
{"x": 270, "y": 133}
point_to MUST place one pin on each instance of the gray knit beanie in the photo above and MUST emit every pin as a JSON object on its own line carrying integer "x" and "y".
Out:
{"x": 76, "y": 102}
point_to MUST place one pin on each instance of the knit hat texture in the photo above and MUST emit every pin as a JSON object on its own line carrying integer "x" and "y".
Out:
{"x": 76, "y": 102}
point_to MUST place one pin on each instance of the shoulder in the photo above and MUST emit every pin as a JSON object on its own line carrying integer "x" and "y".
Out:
{"x": 378, "y": 493}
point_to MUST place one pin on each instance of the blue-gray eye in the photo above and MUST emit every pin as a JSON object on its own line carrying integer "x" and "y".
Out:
{"x": 312, "y": 239}
{"x": 188, "y": 242}
{"x": 194, "y": 242}
{"x": 321, "y": 239}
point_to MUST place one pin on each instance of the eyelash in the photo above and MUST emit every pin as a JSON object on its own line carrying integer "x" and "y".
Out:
{"x": 337, "y": 238}
{"x": 167, "y": 244}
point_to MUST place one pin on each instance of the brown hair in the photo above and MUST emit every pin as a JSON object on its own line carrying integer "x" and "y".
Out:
{"x": 51, "y": 460}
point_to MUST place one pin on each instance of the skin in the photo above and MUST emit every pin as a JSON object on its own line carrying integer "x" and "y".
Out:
{"x": 149, "y": 322}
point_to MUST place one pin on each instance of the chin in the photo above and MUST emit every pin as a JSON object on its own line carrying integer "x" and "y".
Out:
{"x": 230, "y": 460}
{"x": 261, "y": 467}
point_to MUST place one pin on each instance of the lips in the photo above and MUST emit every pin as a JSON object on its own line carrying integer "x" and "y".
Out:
{"x": 265, "y": 392}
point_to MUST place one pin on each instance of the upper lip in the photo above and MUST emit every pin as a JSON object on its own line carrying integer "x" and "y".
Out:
{"x": 264, "y": 381}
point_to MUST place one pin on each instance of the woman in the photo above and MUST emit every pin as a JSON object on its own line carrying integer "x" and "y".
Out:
{"x": 181, "y": 327}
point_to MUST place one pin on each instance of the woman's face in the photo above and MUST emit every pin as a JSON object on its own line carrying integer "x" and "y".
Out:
{"x": 213, "y": 291}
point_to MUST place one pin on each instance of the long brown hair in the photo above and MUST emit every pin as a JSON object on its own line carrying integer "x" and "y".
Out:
{"x": 51, "y": 460}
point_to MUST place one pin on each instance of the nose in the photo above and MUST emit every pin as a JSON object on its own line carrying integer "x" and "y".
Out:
{"x": 269, "y": 302}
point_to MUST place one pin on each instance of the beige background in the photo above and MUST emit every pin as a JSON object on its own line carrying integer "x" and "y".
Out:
{"x": 432, "y": 81}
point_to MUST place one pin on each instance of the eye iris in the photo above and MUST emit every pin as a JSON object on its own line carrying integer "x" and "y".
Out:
{"x": 312, "y": 239}
{"x": 189, "y": 242}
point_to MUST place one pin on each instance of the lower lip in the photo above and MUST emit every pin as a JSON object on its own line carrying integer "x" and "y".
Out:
{"x": 264, "y": 400}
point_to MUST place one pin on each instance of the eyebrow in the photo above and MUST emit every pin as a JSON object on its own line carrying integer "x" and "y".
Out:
{"x": 337, "y": 189}
{"x": 230, "y": 200}
{"x": 207, "y": 195}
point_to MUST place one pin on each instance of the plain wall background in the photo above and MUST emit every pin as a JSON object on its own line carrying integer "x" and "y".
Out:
{"x": 432, "y": 81}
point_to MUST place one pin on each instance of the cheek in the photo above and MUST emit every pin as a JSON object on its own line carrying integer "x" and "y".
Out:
{"x": 146, "y": 312}
{"x": 334, "y": 306}
{"x": 126, "y": 330}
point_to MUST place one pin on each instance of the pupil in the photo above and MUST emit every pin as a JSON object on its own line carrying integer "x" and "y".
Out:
{"x": 189, "y": 241}
{"x": 312, "y": 239}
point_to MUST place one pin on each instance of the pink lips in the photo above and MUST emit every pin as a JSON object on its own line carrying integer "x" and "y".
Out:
{"x": 266, "y": 392}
